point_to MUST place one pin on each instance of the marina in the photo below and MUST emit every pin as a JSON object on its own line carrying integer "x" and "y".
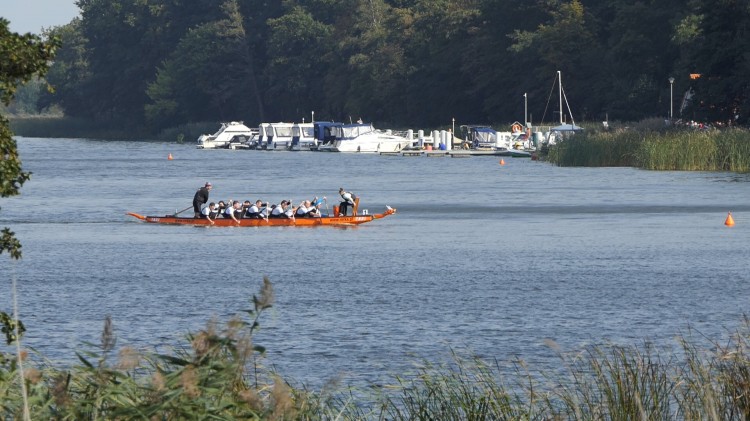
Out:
{"x": 364, "y": 138}
{"x": 523, "y": 140}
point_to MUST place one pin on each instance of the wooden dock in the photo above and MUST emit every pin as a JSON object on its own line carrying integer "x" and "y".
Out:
{"x": 456, "y": 153}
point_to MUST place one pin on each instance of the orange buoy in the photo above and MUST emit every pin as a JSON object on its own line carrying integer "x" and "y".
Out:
{"x": 729, "y": 221}
{"x": 169, "y": 157}
{"x": 502, "y": 161}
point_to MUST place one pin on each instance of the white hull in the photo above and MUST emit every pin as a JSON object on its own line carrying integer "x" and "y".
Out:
{"x": 276, "y": 136}
{"x": 364, "y": 138}
{"x": 230, "y": 134}
{"x": 279, "y": 145}
{"x": 380, "y": 143}
{"x": 305, "y": 146}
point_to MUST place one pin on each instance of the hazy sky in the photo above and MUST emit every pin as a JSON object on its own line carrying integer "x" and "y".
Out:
{"x": 33, "y": 15}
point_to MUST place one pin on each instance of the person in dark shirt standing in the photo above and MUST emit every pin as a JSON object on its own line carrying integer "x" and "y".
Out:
{"x": 201, "y": 197}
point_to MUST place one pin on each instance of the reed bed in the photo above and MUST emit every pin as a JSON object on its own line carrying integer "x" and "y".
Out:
{"x": 220, "y": 374}
{"x": 674, "y": 149}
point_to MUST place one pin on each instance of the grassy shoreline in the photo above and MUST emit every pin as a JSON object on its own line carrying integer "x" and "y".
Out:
{"x": 220, "y": 374}
{"x": 681, "y": 149}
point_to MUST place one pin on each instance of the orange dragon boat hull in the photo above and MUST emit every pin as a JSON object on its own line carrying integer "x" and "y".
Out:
{"x": 271, "y": 222}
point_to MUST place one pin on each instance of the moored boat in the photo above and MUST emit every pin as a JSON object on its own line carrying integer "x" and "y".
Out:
{"x": 483, "y": 138}
{"x": 363, "y": 137}
{"x": 278, "y": 136}
{"x": 303, "y": 137}
{"x": 325, "y": 134}
{"x": 231, "y": 135}
{"x": 564, "y": 130}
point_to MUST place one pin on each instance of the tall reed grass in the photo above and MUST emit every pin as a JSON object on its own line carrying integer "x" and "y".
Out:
{"x": 674, "y": 149}
{"x": 220, "y": 374}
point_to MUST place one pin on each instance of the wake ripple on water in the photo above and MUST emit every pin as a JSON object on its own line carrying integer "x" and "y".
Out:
{"x": 561, "y": 210}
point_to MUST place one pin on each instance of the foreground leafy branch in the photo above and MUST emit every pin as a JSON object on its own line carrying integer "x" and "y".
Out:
{"x": 22, "y": 57}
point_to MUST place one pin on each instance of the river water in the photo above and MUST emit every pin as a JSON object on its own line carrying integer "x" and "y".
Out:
{"x": 496, "y": 260}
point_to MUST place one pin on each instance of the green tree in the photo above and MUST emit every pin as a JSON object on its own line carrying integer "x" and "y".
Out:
{"x": 720, "y": 54}
{"x": 207, "y": 76}
{"x": 566, "y": 43}
{"x": 495, "y": 76}
{"x": 639, "y": 58}
{"x": 26, "y": 98}
{"x": 295, "y": 71}
{"x": 123, "y": 51}
{"x": 440, "y": 61}
{"x": 22, "y": 57}
{"x": 69, "y": 72}
{"x": 366, "y": 67}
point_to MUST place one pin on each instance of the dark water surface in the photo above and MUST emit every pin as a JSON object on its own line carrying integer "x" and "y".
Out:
{"x": 494, "y": 259}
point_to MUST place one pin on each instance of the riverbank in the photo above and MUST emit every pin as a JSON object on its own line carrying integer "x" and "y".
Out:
{"x": 641, "y": 146}
{"x": 77, "y": 128}
{"x": 682, "y": 149}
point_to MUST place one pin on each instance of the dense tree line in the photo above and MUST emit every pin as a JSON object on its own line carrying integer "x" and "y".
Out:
{"x": 415, "y": 63}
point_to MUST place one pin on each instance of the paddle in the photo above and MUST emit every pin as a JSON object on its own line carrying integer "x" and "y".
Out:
{"x": 177, "y": 213}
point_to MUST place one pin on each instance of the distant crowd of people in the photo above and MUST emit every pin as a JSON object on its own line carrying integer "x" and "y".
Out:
{"x": 236, "y": 210}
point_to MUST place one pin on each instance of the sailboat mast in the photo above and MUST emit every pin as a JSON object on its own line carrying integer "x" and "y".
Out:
{"x": 559, "y": 87}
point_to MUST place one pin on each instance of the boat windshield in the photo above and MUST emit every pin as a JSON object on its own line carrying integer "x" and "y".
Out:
{"x": 484, "y": 136}
{"x": 298, "y": 131}
{"x": 238, "y": 129}
{"x": 284, "y": 131}
{"x": 349, "y": 132}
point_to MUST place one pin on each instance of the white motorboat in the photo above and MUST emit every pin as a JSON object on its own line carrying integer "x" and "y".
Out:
{"x": 362, "y": 137}
{"x": 303, "y": 137}
{"x": 515, "y": 143}
{"x": 278, "y": 136}
{"x": 231, "y": 135}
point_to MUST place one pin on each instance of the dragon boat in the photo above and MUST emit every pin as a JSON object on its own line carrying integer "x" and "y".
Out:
{"x": 354, "y": 219}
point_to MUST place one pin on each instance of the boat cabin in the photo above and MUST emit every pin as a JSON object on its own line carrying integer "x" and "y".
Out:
{"x": 324, "y": 132}
{"x": 279, "y": 136}
{"x": 351, "y": 131}
{"x": 478, "y": 137}
{"x": 303, "y": 137}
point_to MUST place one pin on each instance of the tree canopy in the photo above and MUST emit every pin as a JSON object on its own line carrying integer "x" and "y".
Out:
{"x": 411, "y": 63}
{"x": 21, "y": 58}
